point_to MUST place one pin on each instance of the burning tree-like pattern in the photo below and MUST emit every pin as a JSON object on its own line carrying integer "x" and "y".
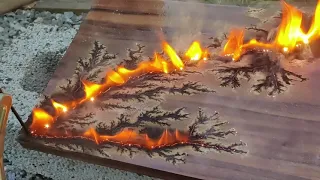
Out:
{"x": 135, "y": 56}
{"x": 275, "y": 77}
{"x": 88, "y": 69}
{"x": 207, "y": 138}
{"x": 146, "y": 87}
{"x": 205, "y": 132}
{"x": 149, "y": 86}
{"x": 154, "y": 116}
{"x": 274, "y": 80}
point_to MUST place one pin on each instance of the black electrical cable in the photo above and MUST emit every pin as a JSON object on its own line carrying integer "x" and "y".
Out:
{"x": 18, "y": 117}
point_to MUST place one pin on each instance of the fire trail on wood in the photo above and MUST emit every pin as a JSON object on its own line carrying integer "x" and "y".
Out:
{"x": 290, "y": 37}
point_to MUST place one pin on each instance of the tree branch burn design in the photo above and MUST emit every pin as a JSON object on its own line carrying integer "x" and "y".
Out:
{"x": 119, "y": 78}
{"x": 291, "y": 40}
{"x": 290, "y": 35}
{"x": 50, "y": 120}
{"x": 128, "y": 135}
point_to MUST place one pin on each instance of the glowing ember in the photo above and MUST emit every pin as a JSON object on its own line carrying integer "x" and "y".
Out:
{"x": 205, "y": 55}
{"x": 132, "y": 138}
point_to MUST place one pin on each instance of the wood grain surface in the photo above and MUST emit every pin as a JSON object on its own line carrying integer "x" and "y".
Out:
{"x": 281, "y": 132}
{"x": 77, "y": 6}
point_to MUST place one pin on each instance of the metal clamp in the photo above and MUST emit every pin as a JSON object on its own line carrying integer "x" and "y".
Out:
{"x": 5, "y": 105}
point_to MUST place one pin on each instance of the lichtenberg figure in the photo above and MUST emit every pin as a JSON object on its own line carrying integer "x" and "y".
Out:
{"x": 204, "y": 133}
{"x": 275, "y": 77}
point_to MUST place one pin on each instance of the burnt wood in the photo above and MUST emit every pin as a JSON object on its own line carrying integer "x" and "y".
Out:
{"x": 281, "y": 131}
{"x": 28, "y": 142}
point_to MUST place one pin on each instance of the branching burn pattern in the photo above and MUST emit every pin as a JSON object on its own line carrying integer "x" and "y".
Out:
{"x": 275, "y": 76}
{"x": 148, "y": 86}
{"x": 205, "y": 133}
{"x": 154, "y": 116}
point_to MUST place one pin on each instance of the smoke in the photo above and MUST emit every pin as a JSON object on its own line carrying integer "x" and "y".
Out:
{"x": 184, "y": 22}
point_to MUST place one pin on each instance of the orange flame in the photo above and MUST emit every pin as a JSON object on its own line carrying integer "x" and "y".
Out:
{"x": 205, "y": 55}
{"x": 195, "y": 52}
{"x": 176, "y": 61}
{"x": 314, "y": 30}
{"x": 159, "y": 63}
{"x": 131, "y": 137}
{"x": 59, "y": 107}
{"x": 41, "y": 120}
{"x": 289, "y": 35}
{"x": 290, "y": 31}
{"x": 233, "y": 47}
{"x": 165, "y": 67}
{"x": 115, "y": 77}
{"x": 91, "y": 133}
{"x": 91, "y": 89}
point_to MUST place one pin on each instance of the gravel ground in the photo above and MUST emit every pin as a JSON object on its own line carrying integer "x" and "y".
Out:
{"x": 31, "y": 44}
